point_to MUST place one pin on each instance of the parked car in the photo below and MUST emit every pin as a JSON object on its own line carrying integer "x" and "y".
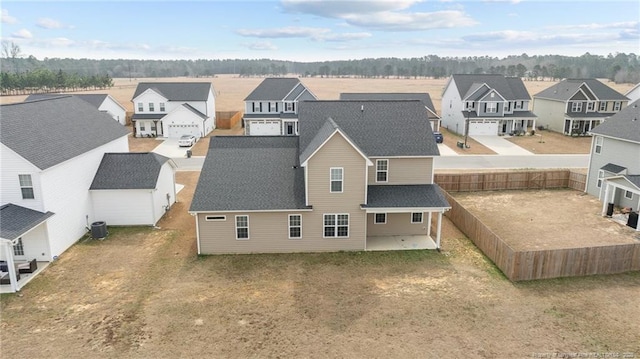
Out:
{"x": 187, "y": 141}
{"x": 438, "y": 136}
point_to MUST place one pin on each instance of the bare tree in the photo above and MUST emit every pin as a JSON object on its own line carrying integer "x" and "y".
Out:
{"x": 11, "y": 50}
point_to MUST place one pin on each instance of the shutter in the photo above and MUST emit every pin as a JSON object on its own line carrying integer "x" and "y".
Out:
{"x": 485, "y": 107}
{"x": 276, "y": 107}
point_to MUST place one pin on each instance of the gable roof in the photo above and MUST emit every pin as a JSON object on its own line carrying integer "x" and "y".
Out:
{"x": 177, "y": 91}
{"x": 195, "y": 111}
{"x": 624, "y": 125}
{"x": 613, "y": 168}
{"x": 423, "y": 97}
{"x": 327, "y": 131}
{"x": 511, "y": 88}
{"x": 378, "y": 128}
{"x": 95, "y": 100}
{"x": 273, "y": 89}
{"x": 246, "y": 173}
{"x": 128, "y": 170}
{"x": 17, "y": 220}
{"x": 565, "y": 89}
{"x": 49, "y": 132}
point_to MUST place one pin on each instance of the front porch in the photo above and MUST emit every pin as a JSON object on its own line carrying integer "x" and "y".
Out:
{"x": 23, "y": 280}
{"x": 622, "y": 192}
{"x": 399, "y": 242}
{"x": 580, "y": 126}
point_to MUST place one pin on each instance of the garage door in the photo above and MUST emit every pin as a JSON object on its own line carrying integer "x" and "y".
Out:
{"x": 175, "y": 131}
{"x": 477, "y": 128}
{"x": 268, "y": 128}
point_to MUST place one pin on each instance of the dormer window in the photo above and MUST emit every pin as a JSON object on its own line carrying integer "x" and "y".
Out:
{"x": 617, "y": 106}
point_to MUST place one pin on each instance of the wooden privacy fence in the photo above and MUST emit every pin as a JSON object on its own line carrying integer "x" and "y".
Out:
{"x": 539, "y": 264}
{"x": 493, "y": 181}
{"x": 228, "y": 119}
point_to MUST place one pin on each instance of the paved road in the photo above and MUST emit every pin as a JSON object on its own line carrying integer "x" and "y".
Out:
{"x": 518, "y": 162}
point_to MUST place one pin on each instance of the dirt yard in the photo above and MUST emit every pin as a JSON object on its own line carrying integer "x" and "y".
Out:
{"x": 549, "y": 142}
{"x": 474, "y": 148}
{"x": 546, "y": 219}
{"x": 144, "y": 293}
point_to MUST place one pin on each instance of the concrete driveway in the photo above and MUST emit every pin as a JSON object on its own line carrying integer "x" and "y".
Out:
{"x": 446, "y": 151}
{"x": 169, "y": 148}
{"x": 499, "y": 145}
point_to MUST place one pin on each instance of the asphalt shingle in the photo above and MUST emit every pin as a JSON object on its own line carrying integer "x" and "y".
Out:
{"x": 613, "y": 168}
{"x": 624, "y": 125}
{"x": 273, "y": 89}
{"x": 511, "y": 88}
{"x": 95, "y": 100}
{"x": 423, "y": 97}
{"x": 406, "y": 196}
{"x": 565, "y": 89}
{"x": 128, "y": 171}
{"x": 177, "y": 91}
{"x": 16, "y": 220}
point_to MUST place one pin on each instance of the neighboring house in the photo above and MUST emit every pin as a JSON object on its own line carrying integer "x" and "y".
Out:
{"x": 486, "y": 105}
{"x": 352, "y": 180}
{"x": 614, "y": 165}
{"x": 421, "y": 96}
{"x": 102, "y": 102}
{"x": 272, "y": 107}
{"x": 133, "y": 188}
{"x": 575, "y": 106}
{"x": 173, "y": 109}
{"x": 634, "y": 93}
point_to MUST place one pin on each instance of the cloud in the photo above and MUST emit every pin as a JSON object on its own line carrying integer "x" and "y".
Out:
{"x": 349, "y": 36}
{"x": 6, "y": 18}
{"x": 261, "y": 46}
{"x": 22, "y": 34}
{"x": 47, "y": 23}
{"x": 339, "y": 8}
{"x": 631, "y": 25}
{"x": 283, "y": 32}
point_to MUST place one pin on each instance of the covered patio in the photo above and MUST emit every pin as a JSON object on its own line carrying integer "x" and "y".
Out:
{"x": 401, "y": 217}
{"x": 622, "y": 191}
{"x": 580, "y": 126}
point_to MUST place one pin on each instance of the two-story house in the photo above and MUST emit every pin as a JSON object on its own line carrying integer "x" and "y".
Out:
{"x": 272, "y": 107}
{"x": 174, "y": 109}
{"x": 358, "y": 177}
{"x": 423, "y": 97}
{"x": 103, "y": 102}
{"x": 614, "y": 164}
{"x": 575, "y": 106}
{"x": 486, "y": 105}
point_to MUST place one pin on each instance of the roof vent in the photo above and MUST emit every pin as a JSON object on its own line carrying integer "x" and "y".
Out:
{"x": 362, "y": 108}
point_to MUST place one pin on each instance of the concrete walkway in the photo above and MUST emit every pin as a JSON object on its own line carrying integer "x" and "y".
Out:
{"x": 446, "y": 150}
{"x": 499, "y": 145}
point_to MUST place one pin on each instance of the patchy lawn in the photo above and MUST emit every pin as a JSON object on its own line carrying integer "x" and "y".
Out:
{"x": 549, "y": 142}
{"x": 144, "y": 293}
{"x": 142, "y": 144}
{"x": 475, "y": 148}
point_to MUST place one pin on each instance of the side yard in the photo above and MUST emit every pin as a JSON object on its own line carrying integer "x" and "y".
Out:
{"x": 143, "y": 293}
{"x": 549, "y": 142}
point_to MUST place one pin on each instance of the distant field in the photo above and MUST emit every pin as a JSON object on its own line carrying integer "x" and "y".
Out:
{"x": 231, "y": 90}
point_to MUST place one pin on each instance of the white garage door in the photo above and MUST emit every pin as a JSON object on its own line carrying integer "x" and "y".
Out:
{"x": 268, "y": 128}
{"x": 175, "y": 131}
{"x": 483, "y": 128}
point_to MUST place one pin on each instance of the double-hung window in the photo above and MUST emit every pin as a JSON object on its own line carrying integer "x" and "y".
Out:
{"x": 242, "y": 227}
{"x": 591, "y": 106}
{"x": 600, "y": 177}
{"x": 336, "y": 225}
{"x": 603, "y": 106}
{"x": 598, "y": 148}
{"x": 382, "y": 170}
{"x": 26, "y": 186}
{"x": 576, "y": 106}
{"x": 336, "y": 178}
{"x": 617, "y": 106}
{"x": 295, "y": 226}
{"x": 140, "y": 107}
{"x": 288, "y": 106}
{"x": 162, "y": 107}
{"x": 151, "y": 107}
{"x": 492, "y": 107}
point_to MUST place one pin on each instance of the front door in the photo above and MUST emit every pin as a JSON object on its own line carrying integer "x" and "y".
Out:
{"x": 289, "y": 128}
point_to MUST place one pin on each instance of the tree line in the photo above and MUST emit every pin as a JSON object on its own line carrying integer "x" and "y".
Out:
{"x": 43, "y": 81}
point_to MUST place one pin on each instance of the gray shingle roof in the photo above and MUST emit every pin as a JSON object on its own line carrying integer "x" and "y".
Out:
{"x": 49, "y": 132}
{"x": 16, "y": 220}
{"x": 177, "y": 91}
{"x": 423, "y": 97}
{"x": 624, "y": 125}
{"x": 635, "y": 179}
{"x": 613, "y": 168}
{"x": 250, "y": 173}
{"x": 195, "y": 111}
{"x": 128, "y": 171}
{"x": 517, "y": 114}
{"x": 565, "y": 89}
{"x": 147, "y": 116}
{"x": 321, "y": 136}
{"x": 273, "y": 89}
{"x": 511, "y": 88}
{"x": 406, "y": 196}
{"x": 95, "y": 100}
{"x": 378, "y": 128}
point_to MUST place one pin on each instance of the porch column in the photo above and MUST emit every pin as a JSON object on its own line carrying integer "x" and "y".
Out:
{"x": 533, "y": 127}
{"x": 439, "y": 230}
{"x": 605, "y": 199}
{"x": 429, "y": 224}
{"x": 11, "y": 267}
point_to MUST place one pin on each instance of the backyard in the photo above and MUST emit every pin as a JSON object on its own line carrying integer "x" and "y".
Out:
{"x": 143, "y": 292}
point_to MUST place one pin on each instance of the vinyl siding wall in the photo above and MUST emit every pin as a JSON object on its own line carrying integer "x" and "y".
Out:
{"x": 166, "y": 185}
{"x": 12, "y": 165}
{"x": 404, "y": 171}
{"x": 35, "y": 245}
{"x": 550, "y": 114}
{"x": 397, "y": 224}
{"x": 451, "y": 108}
{"x": 616, "y": 152}
{"x": 123, "y": 207}
{"x": 114, "y": 110}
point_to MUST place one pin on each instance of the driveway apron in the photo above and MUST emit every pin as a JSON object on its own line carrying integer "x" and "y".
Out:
{"x": 499, "y": 145}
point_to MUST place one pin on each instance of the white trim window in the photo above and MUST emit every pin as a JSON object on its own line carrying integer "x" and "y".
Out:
{"x": 214, "y": 218}
{"x": 162, "y": 108}
{"x": 242, "y": 227}
{"x": 603, "y": 106}
{"x": 382, "y": 170}
{"x": 295, "y": 226}
{"x": 617, "y": 106}
{"x": 491, "y": 107}
{"x": 336, "y": 177}
{"x": 576, "y": 106}
{"x": 591, "y": 106}
{"x": 288, "y": 107}
{"x": 628, "y": 194}
{"x": 598, "y": 147}
{"x": 26, "y": 186}
{"x": 336, "y": 226}
{"x": 416, "y": 217}
{"x": 18, "y": 248}
{"x": 470, "y": 105}
{"x": 151, "y": 107}
{"x": 140, "y": 107}
{"x": 380, "y": 218}
{"x": 600, "y": 177}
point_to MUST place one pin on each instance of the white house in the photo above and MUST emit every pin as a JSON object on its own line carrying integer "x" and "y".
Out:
{"x": 272, "y": 107}
{"x": 102, "y": 102}
{"x": 173, "y": 109}
{"x": 486, "y": 105}
{"x": 634, "y": 93}
{"x": 133, "y": 188}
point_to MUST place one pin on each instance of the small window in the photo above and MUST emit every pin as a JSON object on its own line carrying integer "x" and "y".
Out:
{"x": 336, "y": 177}
{"x": 140, "y": 107}
{"x": 416, "y": 217}
{"x": 576, "y": 106}
{"x": 382, "y": 170}
{"x": 273, "y": 107}
{"x": 18, "y": 248}
{"x": 242, "y": 227}
{"x": 26, "y": 186}
{"x": 380, "y": 218}
{"x": 598, "y": 148}
{"x": 591, "y": 106}
{"x": 336, "y": 225}
{"x": 161, "y": 106}
{"x": 617, "y": 106}
{"x": 603, "y": 106}
{"x": 295, "y": 226}
{"x": 215, "y": 218}
{"x": 288, "y": 106}
{"x": 142, "y": 126}
{"x": 151, "y": 107}
{"x": 628, "y": 194}
{"x": 600, "y": 177}
{"x": 492, "y": 107}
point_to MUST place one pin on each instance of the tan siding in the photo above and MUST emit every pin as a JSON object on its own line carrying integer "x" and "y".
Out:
{"x": 397, "y": 224}
{"x": 405, "y": 171}
{"x": 550, "y": 114}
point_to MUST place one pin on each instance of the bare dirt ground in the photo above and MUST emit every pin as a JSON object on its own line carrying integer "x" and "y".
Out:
{"x": 549, "y": 142}
{"x": 474, "y": 148}
{"x": 546, "y": 219}
{"x": 144, "y": 293}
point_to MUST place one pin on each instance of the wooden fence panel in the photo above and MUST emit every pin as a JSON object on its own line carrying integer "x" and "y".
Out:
{"x": 495, "y": 181}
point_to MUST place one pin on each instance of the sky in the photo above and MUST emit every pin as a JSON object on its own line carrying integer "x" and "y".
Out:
{"x": 313, "y": 30}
